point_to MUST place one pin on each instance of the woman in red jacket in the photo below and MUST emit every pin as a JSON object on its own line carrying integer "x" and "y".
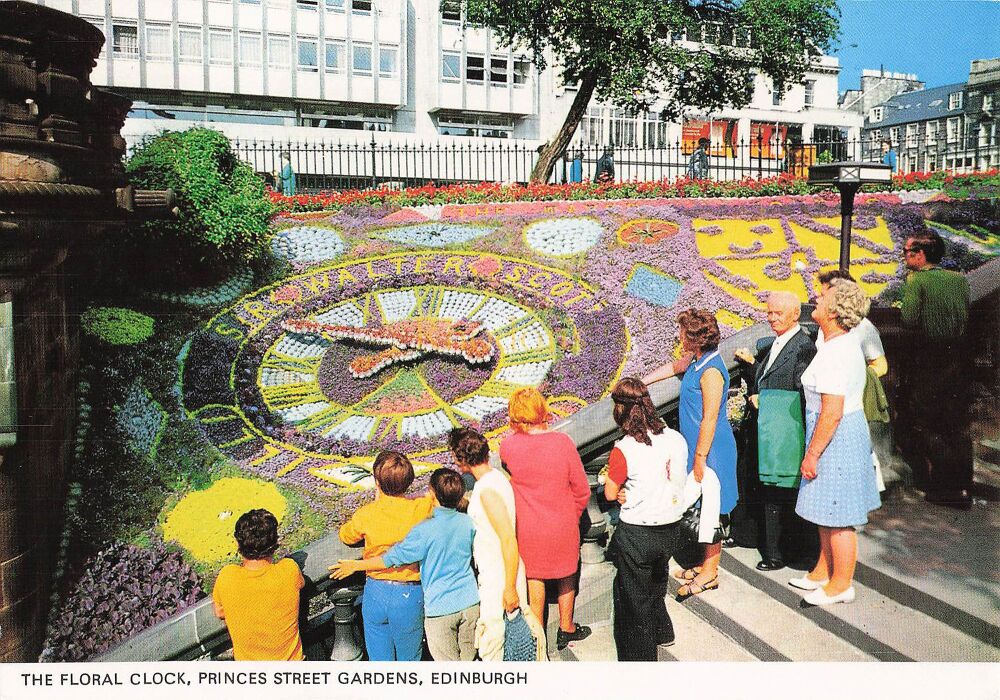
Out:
{"x": 550, "y": 494}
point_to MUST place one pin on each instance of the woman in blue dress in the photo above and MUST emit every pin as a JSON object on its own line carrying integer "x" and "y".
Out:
{"x": 705, "y": 427}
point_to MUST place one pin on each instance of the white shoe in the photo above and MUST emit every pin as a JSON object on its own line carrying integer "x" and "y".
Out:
{"x": 819, "y": 597}
{"x": 807, "y": 584}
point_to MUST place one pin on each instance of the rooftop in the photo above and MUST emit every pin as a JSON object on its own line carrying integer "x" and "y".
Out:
{"x": 917, "y": 106}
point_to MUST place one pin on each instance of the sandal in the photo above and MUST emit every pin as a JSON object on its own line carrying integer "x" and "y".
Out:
{"x": 687, "y": 574}
{"x": 694, "y": 588}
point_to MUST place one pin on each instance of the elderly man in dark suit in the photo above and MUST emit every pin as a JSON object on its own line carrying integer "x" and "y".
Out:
{"x": 777, "y": 393}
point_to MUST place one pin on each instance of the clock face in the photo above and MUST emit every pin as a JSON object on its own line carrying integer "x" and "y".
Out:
{"x": 315, "y": 375}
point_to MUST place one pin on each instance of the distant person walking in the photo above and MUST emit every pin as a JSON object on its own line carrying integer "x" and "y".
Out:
{"x": 889, "y": 155}
{"x": 698, "y": 162}
{"x": 936, "y": 382}
{"x": 605, "y": 171}
{"x": 576, "y": 166}
{"x": 285, "y": 177}
{"x": 259, "y": 599}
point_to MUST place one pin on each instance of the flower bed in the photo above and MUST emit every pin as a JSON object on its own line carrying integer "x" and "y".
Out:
{"x": 979, "y": 184}
{"x": 426, "y": 317}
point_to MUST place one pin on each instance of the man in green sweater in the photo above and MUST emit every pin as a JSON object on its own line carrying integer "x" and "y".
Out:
{"x": 935, "y": 383}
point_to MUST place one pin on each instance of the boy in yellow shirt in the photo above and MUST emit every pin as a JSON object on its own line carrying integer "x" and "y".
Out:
{"x": 259, "y": 600}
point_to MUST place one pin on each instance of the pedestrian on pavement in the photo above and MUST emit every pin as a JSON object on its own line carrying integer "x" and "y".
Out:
{"x": 698, "y": 162}
{"x": 576, "y": 166}
{"x": 393, "y": 602}
{"x": 284, "y": 178}
{"x": 705, "y": 427}
{"x": 776, "y": 392}
{"x": 838, "y": 487}
{"x": 550, "y": 495}
{"x": 889, "y": 156}
{"x": 442, "y": 545}
{"x": 502, "y": 582}
{"x": 259, "y": 599}
{"x": 650, "y": 463}
{"x": 605, "y": 171}
{"x": 936, "y": 384}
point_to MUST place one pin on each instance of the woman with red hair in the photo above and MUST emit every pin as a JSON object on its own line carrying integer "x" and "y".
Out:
{"x": 550, "y": 494}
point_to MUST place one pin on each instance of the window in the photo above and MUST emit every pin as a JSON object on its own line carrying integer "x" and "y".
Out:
{"x": 278, "y": 51}
{"x": 249, "y": 49}
{"x": 931, "y": 132}
{"x": 451, "y": 10}
{"x": 361, "y": 7}
{"x": 125, "y": 40}
{"x": 894, "y": 135}
{"x": 954, "y": 129}
{"x": 475, "y": 69}
{"x": 955, "y": 100}
{"x": 911, "y": 135}
{"x": 361, "y": 58}
{"x": 189, "y": 44}
{"x": 987, "y": 103}
{"x": 711, "y": 33}
{"x": 250, "y": 2}
{"x": 220, "y": 46}
{"x": 776, "y": 97}
{"x": 158, "y": 42}
{"x": 308, "y": 60}
{"x": 309, "y": 5}
{"x": 451, "y": 67}
{"x": 335, "y": 5}
{"x": 498, "y": 71}
{"x": 334, "y": 56}
{"x": 810, "y": 98}
{"x": 522, "y": 69}
{"x": 387, "y": 61}
{"x": 373, "y": 120}
{"x": 488, "y": 126}
{"x": 876, "y": 114}
{"x": 741, "y": 37}
{"x": 984, "y": 135}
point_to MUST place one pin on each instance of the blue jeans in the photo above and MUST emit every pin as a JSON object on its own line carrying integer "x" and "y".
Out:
{"x": 394, "y": 620}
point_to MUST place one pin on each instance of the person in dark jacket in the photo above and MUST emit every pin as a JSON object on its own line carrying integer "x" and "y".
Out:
{"x": 606, "y": 166}
{"x": 780, "y": 362}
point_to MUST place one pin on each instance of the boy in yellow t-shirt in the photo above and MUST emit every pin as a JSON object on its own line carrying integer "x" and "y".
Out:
{"x": 259, "y": 600}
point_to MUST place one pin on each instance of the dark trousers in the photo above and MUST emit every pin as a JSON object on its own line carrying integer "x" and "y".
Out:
{"x": 787, "y": 537}
{"x": 641, "y": 553}
{"x": 933, "y": 429}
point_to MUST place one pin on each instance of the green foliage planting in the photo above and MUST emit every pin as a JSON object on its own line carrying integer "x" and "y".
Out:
{"x": 117, "y": 326}
{"x": 223, "y": 209}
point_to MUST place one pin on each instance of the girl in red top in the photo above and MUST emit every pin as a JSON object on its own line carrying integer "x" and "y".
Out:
{"x": 550, "y": 494}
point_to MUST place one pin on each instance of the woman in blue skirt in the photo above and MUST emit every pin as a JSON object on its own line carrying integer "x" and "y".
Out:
{"x": 838, "y": 487}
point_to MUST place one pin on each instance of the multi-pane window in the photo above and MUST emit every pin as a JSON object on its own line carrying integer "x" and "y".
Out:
{"x": 953, "y": 129}
{"x": 307, "y": 5}
{"x": 308, "y": 60}
{"x": 387, "y": 61}
{"x": 911, "y": 135}
{"x": 875, "y": 135}
{"x": 475, "y": 69}
{"x": 810, "y": 93}
{"x": 741, "y": 37}
{"x": 451, "y": 10}
{"x": 931, "y": 132}
{"x": 158, "y": 42}
{"x": 955, "y": 100}
{"x": 361, "y": 58}
{"x": 498, "y": 71}
{"x": 876, "y": 114}
{"x": 335, "y": 5}
{"x": 492, "y": 126}
{"x": 451, "y": 66}
{"x": 776, "y": 96}
{"x": 361, "y": 7}
{"x": 522, "y": 70}
{"x": 220, "y": 46}
{"x": 250, "y": 48}
{"x": 335, "y": 56}
{"x": 189, "y": 44}
{"x": 278, "y": 51}
{"x": 987, "y": 103}
{"x": 894, "y": 135}
{"x": 125, "y": 40}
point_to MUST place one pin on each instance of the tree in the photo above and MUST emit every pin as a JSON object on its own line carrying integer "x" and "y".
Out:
{"x": 626, "y": 52}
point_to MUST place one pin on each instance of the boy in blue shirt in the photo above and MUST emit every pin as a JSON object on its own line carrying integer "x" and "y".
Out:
{"x": 442, "y": 545}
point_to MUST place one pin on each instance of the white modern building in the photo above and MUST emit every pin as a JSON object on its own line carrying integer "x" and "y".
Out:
{"x": 411, "y": 73}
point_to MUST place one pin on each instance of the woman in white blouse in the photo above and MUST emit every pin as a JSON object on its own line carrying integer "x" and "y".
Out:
{"x": 838, "y": 487}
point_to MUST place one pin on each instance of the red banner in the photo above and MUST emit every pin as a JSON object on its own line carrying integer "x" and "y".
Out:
{"x": 721, "y": 134}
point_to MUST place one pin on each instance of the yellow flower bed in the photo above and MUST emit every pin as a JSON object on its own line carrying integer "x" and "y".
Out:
{"x": 203, "y": 521}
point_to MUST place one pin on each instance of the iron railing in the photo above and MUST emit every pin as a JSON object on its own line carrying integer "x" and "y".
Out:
{"x": 324, "y": 165}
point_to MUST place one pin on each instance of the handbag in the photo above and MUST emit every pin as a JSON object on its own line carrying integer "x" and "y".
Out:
{"x": 518, "y": 642}
{"x": 690, "y": 525}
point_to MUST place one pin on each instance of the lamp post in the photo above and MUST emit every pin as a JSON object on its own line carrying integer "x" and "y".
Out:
{"x": 848, "y": 177}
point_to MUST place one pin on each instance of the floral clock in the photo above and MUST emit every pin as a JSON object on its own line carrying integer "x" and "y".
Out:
{"x": 308, "y": 379}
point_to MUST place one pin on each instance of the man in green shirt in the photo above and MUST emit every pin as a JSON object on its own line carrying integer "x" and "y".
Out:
{"x": 935, "y": 383}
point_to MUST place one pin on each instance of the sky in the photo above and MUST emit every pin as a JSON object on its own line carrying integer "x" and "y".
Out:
{"x": 936, "y": 39}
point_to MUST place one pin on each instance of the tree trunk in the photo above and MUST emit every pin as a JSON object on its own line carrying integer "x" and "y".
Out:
{"x": 557, "y": 146}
